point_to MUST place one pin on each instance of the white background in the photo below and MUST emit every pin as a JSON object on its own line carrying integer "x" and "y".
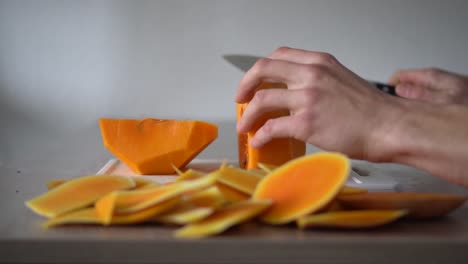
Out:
{"x": 64, "y": 64}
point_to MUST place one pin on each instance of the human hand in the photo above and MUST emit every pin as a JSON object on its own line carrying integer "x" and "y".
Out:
{"x": 431, "y": 85}
{"x": 330, "y": 106}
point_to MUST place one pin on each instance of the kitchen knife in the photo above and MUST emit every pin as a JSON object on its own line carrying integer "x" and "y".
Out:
{"x": 245, "y": 62}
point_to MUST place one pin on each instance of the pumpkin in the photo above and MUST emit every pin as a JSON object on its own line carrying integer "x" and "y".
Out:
{"x": 277, "y": 151}
{"x": 155, "y": 146}
{"x": 302, "y": 186}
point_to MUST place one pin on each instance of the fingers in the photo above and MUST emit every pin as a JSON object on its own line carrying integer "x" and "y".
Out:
{"x": 414, "y": 76}
{"x": 266, "y": 70}
{"x": 418, "y": 92}
{"x": 281, "y": 127}
{"x": 303, "y": 56}
{"x": 266, "y": 101}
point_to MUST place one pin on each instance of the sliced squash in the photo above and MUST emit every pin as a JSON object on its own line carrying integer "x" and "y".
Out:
{"x": 184, "y": 215}
{"x": 351, "y": 219}
{"x": 231, "y": 194}
{"x": 239, "y": 179}
{"x": 133, "y": 201}
{"x": 224, "y": 218}
{"x": 209, "y": 197}
{"x": 77, "y": 193}
{"x": 153, "y": 146}
{"x": 54, "y": 183}
{"x": 419, "y": 205}
{"x": 92, "y": 216}
{"x": 189, "y": 175}
{"x": 351, "y": 190}
{"x": 302, "y": 186}
{"x": 277, "y": 151}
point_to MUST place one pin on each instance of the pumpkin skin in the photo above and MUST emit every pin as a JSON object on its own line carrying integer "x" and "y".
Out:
{"x": 277, "y": 151}
{"x": 156, "y": 146}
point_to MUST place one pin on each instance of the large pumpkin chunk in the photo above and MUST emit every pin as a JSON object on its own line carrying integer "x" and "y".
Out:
{"x": 77, "y": 193}
{"x": 154, "y": 146}
{"x": 302, "y": 186}
{"x": 224, "y": 218}
{"x": 419, "y": 205}
{"x": 351, "y": 219}
{"x": 277, "y": 151}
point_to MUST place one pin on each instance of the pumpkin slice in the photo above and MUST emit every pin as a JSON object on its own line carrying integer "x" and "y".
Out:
{"x": 277, "y": 151}
{"x": 302, "y": 186}
{"x": 92, "y": 216}
{"x": 231, "y": 194}
{"x": 183, "y": 215}
{"x": 224, "y": 218}
{"x": 54, "y": 183}
{"x": 153, "y": 146}
{"x": 132, "y": 201}
{"x": 77, "y": 193}
{"x": 190, "y": 175}
{"x": 267, "y": 167}
{"x": 346, "y": 190}
{"x": 239, "y": 179}
{"x": 351, "y": 219}
{"x": 419, "y": 205}
{"x": 209, "y": 197}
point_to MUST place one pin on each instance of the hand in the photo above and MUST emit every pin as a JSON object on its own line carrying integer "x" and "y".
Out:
{"x": 431, "y": 85}
{"x": 330, "y": 106}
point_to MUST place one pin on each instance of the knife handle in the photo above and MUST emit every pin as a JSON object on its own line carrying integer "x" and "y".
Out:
{"x": 386, "y": 88}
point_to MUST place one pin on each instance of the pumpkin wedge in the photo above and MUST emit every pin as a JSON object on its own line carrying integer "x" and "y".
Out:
{"x": 224, "y": 218}
{"x": 302, "y": 186}
{"x": 419, "y": 205}
{"x": 277, "y": 151}
{"x": 351, "y": 219}
{"x": 154, "y": 146}
{"x": 77, "y": 193}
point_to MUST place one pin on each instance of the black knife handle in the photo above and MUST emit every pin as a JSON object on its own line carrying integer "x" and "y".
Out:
{"x": 386, "y": 88}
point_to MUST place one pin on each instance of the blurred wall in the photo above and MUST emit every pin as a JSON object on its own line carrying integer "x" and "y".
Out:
{"x": 64, "y": 64}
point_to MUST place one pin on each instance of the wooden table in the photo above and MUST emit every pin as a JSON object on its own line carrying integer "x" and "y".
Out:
{"x": 24, "y": 241}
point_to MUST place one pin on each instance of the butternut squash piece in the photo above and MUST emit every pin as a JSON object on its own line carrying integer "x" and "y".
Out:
{"x": 209, "y": 197}
{"x": 132, "y": 201}
{"x": 224, "y": 218}
{"x": 77, "y": 193}
{"x": 92, "y": 216}
{"x": 190, "y": 175}
{"x": 277, "y": 151}
{"x": 346, "y": 190}
{"x": 239, "y": 179}
{"x": 231, "y": 194}
{"x": 184, "y": 215}
{"x": 152, "y": 146}
{"x": 302, "y": 186}
{"x": 54, "y": 183}
{"x": 351, "y": 219}
{"x": 267, "y": 167}
{"x": 419, "y": 205}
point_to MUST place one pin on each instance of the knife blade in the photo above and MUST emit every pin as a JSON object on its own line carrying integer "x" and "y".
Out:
{"x": 244, "y": 62}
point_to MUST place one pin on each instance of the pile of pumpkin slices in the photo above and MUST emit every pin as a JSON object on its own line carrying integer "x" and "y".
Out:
{"x": 308, "y": 191}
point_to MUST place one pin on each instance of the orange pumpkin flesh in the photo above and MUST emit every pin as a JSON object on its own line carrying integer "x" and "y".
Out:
{"x": 77, "y": 193}
{"x": 351, "y": 219}
{"x": 241, "y": 180}
{"x": 277, "y": 151}
{"x": 153, "y": 146}
{"x": 224, "y": 218}
{"x": 419, "y": 205}
{"x": 184, "y": 215}
{"x": 302, "y": 186}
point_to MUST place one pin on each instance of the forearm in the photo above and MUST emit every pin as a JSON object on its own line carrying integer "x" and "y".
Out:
{"x": 433, "y": 138}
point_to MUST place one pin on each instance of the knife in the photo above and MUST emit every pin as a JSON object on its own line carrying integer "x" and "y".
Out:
{"x": 245, "y": 62}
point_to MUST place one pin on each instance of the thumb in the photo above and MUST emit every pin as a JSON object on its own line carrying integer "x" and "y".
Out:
{"x": 416, "y": 92}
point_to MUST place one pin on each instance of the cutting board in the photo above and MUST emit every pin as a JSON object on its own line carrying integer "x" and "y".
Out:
{"x": 369, "y": 177}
